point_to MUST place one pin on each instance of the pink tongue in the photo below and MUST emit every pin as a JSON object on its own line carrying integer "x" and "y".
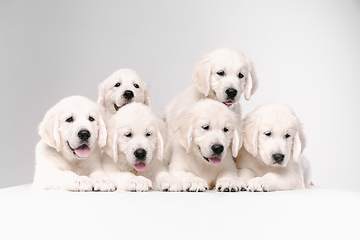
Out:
{"x": 228, "y": 102}
{"x": 215, "y": 161}
{"x": 140, "y": 166}
{"x": 82, "y": 151}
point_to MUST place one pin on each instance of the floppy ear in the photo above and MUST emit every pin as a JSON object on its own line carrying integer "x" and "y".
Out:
{"x": 102, "y": 133}
{"x": 115, "y": 148}
{"x": 236, "y": 143}
{"x": 160, "y": 146}
{"x": 299, "y": 144}
{"x": 161, "y": 137}
{"x": 147, "y": 101}
{"x": 251, "y": 82}
{"x": 201, "y": 75}
{"x": 49, "y": 129}
{"x": 184, "y": 131}
{"x": 102, "y": 92}
{"x": 251, "y": 135}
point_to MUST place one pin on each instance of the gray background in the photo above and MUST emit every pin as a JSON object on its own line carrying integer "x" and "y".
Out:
{"x": 306, "y": 53}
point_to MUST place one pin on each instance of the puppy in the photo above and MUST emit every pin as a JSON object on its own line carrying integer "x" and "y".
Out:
{"x": 122, "y": 87}
{"x": 201, "y": 155}
{"x": 68, "y": 156}
{"x": 271, "y": 158}
{"x": 223, "y": 75}
{"x": 135, "y": 151}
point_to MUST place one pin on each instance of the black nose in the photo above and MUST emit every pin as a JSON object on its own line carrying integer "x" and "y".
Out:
{"x": 231, "y": 93}
{"x": 278, "y": 157}
{"x": 140, "y": 153}
{"x": 84, "y": 135}
{"x": 217, "y": 148}
{"x": 128, "y": 94}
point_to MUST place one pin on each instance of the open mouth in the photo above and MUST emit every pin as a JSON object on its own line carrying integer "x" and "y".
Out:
{"x": 117, "y": 107}
{"x": 140, "y": 166}
{"x": 215, "y": 161}
{"x": 82, "y": 152}
{"x": 229, "y": 103}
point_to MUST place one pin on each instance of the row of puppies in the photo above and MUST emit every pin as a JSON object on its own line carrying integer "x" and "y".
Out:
{"x": 202, "y": 136}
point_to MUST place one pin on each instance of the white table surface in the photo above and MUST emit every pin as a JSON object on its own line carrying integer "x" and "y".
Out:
{"x": 314, "y": 213}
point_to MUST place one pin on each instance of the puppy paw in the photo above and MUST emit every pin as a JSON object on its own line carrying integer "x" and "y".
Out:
{"x": 171, "y": 184}
{"x": 195, "y": 185}
{"x": 80, "y": 184}
{"x": 258, "y": 184}
{"x": 228, "y": 185}
{"x": 243, "y": 184}
{"x": 104, "y": 184}
{"x": 138, "y": 184}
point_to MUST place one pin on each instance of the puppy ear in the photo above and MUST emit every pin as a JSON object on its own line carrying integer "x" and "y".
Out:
{"x": 201, "y": 75}
{"x": 49, "y": 129}
{"x": 160, "y": 146}
{"x": 161, "y": 137}
{"x": 236, "y": 142}
{"x": 102, "y": 133}
{"x": 102, "y": 92}
{"x": 115, "y": 147}
{"x": 147, "y": 101}
{"x": 251, "y": 82}
{"x": 184, "y": 132}
{"x": 251, "y": 135}
{"x": 299, "y": 144}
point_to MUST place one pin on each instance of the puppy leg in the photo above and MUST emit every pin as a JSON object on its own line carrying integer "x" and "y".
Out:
{"x": 245, "y": 175}
{"x": 227, "y": 181}
{"x": 101, "y": 182}
{"x": 166, "y": 182}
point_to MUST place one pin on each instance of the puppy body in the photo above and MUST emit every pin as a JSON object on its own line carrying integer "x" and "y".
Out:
{"x": 222, "y": 75}
{"x": 271, "y": 157}
{"x": 122, "y": 87}
{"x": 202, "y": 138}
{"x": 68, "y": 156}
{"x": 135, "y": 151}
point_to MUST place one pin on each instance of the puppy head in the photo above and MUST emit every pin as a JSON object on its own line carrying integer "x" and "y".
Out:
{"x": 207, "y": 130}
{"x": 225, "y": 74}
{"x": 136, "y": 133}
{"x": 73, "y": 127}
{"x": 274, "y": 133}
{"x": 122, "y": 87}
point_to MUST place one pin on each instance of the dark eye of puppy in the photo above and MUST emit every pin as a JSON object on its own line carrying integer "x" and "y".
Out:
{"x": 136, "y": 86}
{"x": 117, "y": 84}
{"x": 287, "y": 135}
{"x": 220, "y": 73}
{"x": 128, "y": 135}
{"x": 226, "y": 129}
{"x": 241, "y": 75}
{"x": 206, "y": 127}
{"x": 267, "y": 134}
{"x": 148, "y": 134}
{"x": 91, "y": 119}
{"x": 70, "y": 119}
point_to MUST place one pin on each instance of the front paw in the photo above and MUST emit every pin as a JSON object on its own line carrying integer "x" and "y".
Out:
{"x": 228, "y": 185}
{"x": 104, "y": 184}
{"x": 195, "y": 185}
{"x": 259, "y": 184}
{"x": 138, "y": 184}
{"x": 171, "y": 184}
{"x": 80, "y": 184}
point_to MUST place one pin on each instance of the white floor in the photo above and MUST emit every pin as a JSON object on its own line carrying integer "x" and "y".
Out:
{"x": 313, "y": 213}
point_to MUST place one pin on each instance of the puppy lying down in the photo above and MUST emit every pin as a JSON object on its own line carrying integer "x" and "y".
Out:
{"x": 135, "y": 150}
{"x": 68, "y": 155}
{"x": 271, "y": 157}
{"x": 205, "y": 137}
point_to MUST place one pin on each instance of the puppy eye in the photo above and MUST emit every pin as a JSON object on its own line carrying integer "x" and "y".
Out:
{"x": 148, "y": 134}
{"x": 220, "y": 73}
{"x": 70, "y": 119}
{"x": 91, "y": 119}
{"x": 117, "y": 84}
{"x": 136, "y": 86}
{"x": 241, "y": 75}
{"x": 205, "y": 127}
{"x": 267, "y": 134}
{"x": 226, "y": 129}
{"x": 287, "y": 135}
{"x": 128, "y": 135}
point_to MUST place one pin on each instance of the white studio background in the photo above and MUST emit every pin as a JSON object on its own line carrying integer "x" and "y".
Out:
{"x": 306, "y": 53}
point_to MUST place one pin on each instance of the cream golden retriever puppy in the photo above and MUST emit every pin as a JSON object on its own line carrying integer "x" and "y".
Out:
{"x": 271, "y": 157}
{"x": 206, "y": 137}
{"x": 135, "y": 147}
{"x": 68, "y": 156}
{"x": 122, "y": 87}
{"x": 223, "y": 75}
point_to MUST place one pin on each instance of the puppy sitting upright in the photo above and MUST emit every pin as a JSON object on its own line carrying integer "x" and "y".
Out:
{"x": 271, "y": 158}
{"x": 201, "y": 155}
{"x": 68, "y": 156}
{"x": 122, "y": 87}
{"x": 135, "y": 150}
